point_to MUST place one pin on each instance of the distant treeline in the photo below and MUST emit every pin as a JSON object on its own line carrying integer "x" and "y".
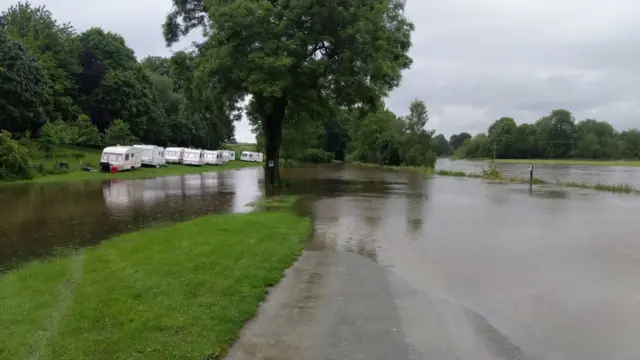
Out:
{"x": 554, "y": 136}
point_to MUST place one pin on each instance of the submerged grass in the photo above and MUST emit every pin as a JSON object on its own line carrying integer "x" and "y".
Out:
{"x": 278, "y": 202}
{"x": 493, "y": 174}
{"x": 451, "y": 173}
{"x": 571, "y": 162}
{"x": 180, "y": 291}
{"x": 619, "y": 188}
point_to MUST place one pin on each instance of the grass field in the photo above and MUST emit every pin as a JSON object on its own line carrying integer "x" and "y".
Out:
{"x": 173, "y": 169}
{"x": 181, "y": 291}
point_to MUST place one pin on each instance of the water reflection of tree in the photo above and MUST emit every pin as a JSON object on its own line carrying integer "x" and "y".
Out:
{"x": 417, "y": 189}
{"x": 370, "y": 211}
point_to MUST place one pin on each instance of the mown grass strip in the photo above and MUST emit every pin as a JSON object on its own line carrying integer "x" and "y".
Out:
{"x": 177, "y": 292}
{"x": 172, "y": 169}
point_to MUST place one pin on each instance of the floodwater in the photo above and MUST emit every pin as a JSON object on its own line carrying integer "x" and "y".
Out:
{"x": 407, "y": 267}
{"x": 587, "y": 174}
{"x": 400, "y": 266}
{"x": 43, "y": 218}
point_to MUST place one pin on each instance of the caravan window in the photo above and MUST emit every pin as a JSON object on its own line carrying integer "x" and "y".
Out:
{"x": 111, "y": 157}
{"x": 190, "y": 156}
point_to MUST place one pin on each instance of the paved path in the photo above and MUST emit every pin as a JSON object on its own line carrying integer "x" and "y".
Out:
{"x": 341, "y": 305}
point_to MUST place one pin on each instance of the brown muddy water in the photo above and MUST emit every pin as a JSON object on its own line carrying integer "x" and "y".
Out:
{"x": 554, "y": 173}
{"x": 401, "y": 266}
{"x": 37, "y": 220}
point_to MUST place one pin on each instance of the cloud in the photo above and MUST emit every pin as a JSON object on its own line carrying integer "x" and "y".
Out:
{"x": 474, "y": 60}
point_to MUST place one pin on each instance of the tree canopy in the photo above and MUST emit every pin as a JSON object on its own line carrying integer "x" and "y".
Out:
{"x": 22, "y": 87}
{"x": 49, "y": 73}
{"x": 293, "y": 57}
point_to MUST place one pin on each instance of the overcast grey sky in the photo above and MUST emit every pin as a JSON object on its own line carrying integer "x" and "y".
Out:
{"x": 474, "y": 60}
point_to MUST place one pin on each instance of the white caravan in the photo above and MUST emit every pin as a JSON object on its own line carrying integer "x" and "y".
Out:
{"x": 251, "y": 156}
{"x": 121, "y": 158}
{"x": 152, "y": 155}
{"x": 232, "y": 154}
{"x": 193, "y": 157}
{"x": 212, "y": 157}
{"x": 226, "y": 156}
{"x": 174, "y": 154}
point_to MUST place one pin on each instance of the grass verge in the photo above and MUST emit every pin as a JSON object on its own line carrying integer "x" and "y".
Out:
{"x": 172, "y": 169}
{"x": 180, "y": 291}
{"x": 495, "y": 175}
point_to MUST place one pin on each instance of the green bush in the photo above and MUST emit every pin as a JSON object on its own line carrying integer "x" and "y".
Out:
{"x": 79, "y": 132}
{"x": 86, "y": 133}
{"x": 51, "y": 169}
{"x": 316, "y": 156}
{"x": 57, "y": 133}
{"x": 492, "y": 173}
{"x": 119, "y": 132}
{"x": 15, "y": 163}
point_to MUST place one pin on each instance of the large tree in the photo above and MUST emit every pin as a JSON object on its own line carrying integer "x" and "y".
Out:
{"x": 293, "y": 54}
{"x": 440, "y": 145}
{"x": 500, "y": 136}
{"x": 556, "y": 134}
{"x": 416, "y": 140}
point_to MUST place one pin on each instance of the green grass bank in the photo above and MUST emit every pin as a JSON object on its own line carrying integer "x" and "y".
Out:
{"x": 180, "y": 291}
{"x": 171, "y": 169}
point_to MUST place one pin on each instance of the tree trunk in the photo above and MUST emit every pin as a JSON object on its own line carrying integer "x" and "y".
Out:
{"x": 272, "y": 126}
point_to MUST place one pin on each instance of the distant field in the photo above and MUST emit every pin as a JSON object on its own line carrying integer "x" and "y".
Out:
{"x": 239, "y": 148}
{"x": 572, "y": 162}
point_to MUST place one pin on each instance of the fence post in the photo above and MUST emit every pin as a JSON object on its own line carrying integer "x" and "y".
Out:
{"x": 530, "y": 177}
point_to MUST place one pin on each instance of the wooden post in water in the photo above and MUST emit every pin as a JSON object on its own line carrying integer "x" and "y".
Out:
{"x": 530, "y": 178}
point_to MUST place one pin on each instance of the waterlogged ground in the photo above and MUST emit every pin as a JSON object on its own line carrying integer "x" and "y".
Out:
{"x": 587, "y": 174}
{"x": 400, "y": 266}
